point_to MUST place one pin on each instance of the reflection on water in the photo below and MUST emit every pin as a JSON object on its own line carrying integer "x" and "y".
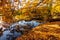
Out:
{"x": 17, "y": 29}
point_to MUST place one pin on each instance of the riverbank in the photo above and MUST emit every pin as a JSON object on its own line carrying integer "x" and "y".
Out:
{"x": 48, "y": 31}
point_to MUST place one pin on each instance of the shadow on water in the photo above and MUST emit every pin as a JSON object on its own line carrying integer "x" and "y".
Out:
{"x": 17, "y": 29}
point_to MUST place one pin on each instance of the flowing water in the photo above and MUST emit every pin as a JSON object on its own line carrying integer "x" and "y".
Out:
{"x": 11, "y": 33}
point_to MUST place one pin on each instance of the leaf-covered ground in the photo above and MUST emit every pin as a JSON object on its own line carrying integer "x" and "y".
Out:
{"x": 48, "y": 31}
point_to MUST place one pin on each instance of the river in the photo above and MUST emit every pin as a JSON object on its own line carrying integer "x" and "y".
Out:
{"x": 11, "y": 33}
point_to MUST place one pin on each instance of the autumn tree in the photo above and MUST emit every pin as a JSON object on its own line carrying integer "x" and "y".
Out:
{"x": 26, "y": 9}
{"x": 7, "y": 14}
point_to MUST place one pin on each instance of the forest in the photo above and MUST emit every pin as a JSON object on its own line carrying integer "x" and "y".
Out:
{"x": 26, "y": 17}
{"x": 44, "y": 10}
